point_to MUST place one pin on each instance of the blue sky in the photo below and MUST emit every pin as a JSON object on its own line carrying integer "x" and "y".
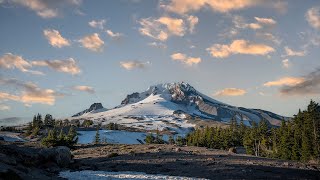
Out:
{"x": 59, "y": 57}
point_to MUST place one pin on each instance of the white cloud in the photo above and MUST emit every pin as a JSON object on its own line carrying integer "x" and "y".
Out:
{"x": 55, "y": 39}
{"x": 92, "y": 42}
{"x": 239, "y": 46}
{"x": 231, "y": 92}
{"x": 270, "y": 37}
{"x": 266, "y": 21}
{"x": 287, "y": 81}
{"x": 313, "y": 17}
{"x": 30, "y": 93}
{"x": 113, "y": 34}
{"x": 186, "y": 6}
{"x": 129, "y": 65}
{"x": 87, "y": 89}
{"x": 158, "y": 45}
{"x": 4, "y": 107}
{"x": 11, "y": 61}
{"x": 45, "y": 8}
{"x": 66, "y": 66}
{"x": 164, "y": 27}
{"x": 174, "y": 25}
{"x": 97, "y": 23}
{"x": 286, "y": 63}
{"x": 193, "y": 21}
{"x": 290, "y": 52}
{"x": 185, "y": 59}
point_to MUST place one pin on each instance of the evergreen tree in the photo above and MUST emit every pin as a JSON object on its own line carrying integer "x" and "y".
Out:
{"x": 61, "y": 138}
{"x": 171, "y": 140}
{"x": 51, "y": 139}
{"x": 29, "y": 128}
{"x": 150, "y": 139}
{"x": 97, "y": 137}
{"x": 48, "y": 120}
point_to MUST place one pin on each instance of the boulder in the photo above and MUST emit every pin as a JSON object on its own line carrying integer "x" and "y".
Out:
{"x": 7, "y": 159}
{"x": 232, "y": 150}
{"x": 61, "y": 155}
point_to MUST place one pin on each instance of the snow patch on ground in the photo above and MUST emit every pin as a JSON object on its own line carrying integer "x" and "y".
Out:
{"x": 10, "y": 136}
{"x": 117, "y": 137}
{"x": 87, "y": 174}
{"x": 111, "y": 136}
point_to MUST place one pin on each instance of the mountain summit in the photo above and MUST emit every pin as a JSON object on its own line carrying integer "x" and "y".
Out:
{"x": 94, "y": 108}
{"x": 176, "y": 106}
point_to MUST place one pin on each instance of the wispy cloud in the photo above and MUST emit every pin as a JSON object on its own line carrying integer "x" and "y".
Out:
{"x": 114, "y": 35}
{"x": 55, "y": 39}
{"x": 97, "y": 23}
{"x": 309, "y": 86}
{"x": 313, "y": 17}
{"x": 286, "y": 63}
{"x": 266, "y": 21}
{"x": 4, "y": 107}
{"x": 11, "y": 61}
{"x": 92, "y": 42}
{"x": 66, "y": 66}
{"x": 158, "y": 45}
{"x": 193, "y": 21}
{"x": 231, "y": 92}
{"x": 186, "y": 6}
{"x": 87, "y": 89}
{"x": 45, "y": 8}
{"x": 185, "y": 59}
{"x": 30, "y": 93}
{"x": 162, "y": 28}
{"x": 129, "y": 65}
{"x": 285, "y": 81}
{"x": 239, "y": 46}
{"x": 290, "y": 52}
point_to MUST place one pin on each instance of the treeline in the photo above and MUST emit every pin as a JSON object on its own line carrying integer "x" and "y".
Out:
{"x": 61, "y": 139}
{"x": 38, "y": 123}
{"x": 158, "y": 139}
{"x": 297, "y": 139}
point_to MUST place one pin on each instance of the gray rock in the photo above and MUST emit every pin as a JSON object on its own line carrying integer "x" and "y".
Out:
{"x": 63, "y": 156}
{"x": 7, "y": 159}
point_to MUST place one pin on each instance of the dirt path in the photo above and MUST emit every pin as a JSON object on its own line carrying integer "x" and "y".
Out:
{"x": 188, "y": 161}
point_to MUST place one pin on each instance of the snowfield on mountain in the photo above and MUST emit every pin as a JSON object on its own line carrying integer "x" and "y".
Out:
{"x": 173, "y": 107}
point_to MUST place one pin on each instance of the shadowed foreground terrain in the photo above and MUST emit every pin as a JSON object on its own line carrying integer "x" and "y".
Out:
{"x": 29, "y": 161}
{"x": 188, "y": 161}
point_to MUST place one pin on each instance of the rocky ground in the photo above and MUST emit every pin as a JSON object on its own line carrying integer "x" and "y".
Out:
{"x": 30, "y": 161}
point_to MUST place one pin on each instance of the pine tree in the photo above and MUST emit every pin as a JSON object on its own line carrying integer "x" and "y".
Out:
{"x": 171, "y": 140}
{"x": 61, "y": 138}
{"x": 29, "y": 128}
{"x": 149, "y": 139}
{"x": 72, "y": 137}
{"x": 51, "y": 139}
{"x": 97, "y": 137}
{"x": 48, "y": 120}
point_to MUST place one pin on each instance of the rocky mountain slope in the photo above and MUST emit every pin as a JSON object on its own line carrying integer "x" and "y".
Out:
{"x": 174, "y": 107}
{"x": 94, "y": 108}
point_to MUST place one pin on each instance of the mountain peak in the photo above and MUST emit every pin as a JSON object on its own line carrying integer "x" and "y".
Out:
{"x": 95, "y": 107}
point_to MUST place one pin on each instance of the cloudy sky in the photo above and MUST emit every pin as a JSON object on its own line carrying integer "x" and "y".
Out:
{"x": 61, "y": 56}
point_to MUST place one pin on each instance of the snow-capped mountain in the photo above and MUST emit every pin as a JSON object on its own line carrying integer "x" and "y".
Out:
{"x": 94, "y": 108}
{"x": 174, "y": 107}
